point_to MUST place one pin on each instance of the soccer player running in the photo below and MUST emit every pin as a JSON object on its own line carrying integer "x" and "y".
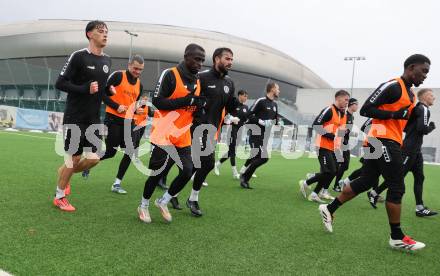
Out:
{"x": 218, "y": 88}
{"x": 390, "y": 106}
{"x": 236, "y": 120}
{"x": 343, "y": 166}
{"x": 83, "y": 78}
{"x": 328, "y": 126}
{"x": 131, "y": 147}
{"x": 263, "y": 114}
{"x": 417, "y": 127}
{"x": 119, "y": 112}
{"x": 176, "y": 98}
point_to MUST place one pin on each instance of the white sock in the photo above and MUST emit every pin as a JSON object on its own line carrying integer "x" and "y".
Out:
{"x": 194, "y": 195}
{"x": 313, "y": 194}
{"x": 243, "y": 169}
{"x": 234, "y": 170}
{"x": 117, "y": 181}
{"x": 165, "y": 198}
{"x": 217, "y": 163}
{"x": 59, "y": 193}
{"x": 373, "y": 193}
{"x": 347, "y": 181}
{"x": 145, "y": 202}
{"x": 419, "y": 207}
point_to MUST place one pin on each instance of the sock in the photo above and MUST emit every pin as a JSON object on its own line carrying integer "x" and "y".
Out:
{"x": 334, "y": 205}
{"x": 59, "y": 193}
{"x": 313, "y": 194}
{"x": 396, "y": 231}
{"x": 217, "y": 163}
{"x": 117, "y": 182}
{"x": 234, "y": 170}
{"x": 165, "y": 198}
{"x": 194, "y": 195}
{"x": 373, "y": 193}
{"x": 324, "y": 191}
{"x": 347, "y": 181}
{"x": 420, "y": 207}
{"x": 145, "y": 202}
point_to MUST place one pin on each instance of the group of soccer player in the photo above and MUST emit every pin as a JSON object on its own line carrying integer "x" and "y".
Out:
{"x": 192, "y": 106}
{"x": 391, "y": 112}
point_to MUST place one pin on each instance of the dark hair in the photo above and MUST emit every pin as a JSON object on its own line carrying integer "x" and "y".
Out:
{"x": 93, "y": 25}
{"x": 138, "y": 58}
{"x": 219, "y": 52}
{"x": 341, "y": 93}
{"x": 242, "y": 92}
{"x": 422, "y": 92}
{"x": 269, "y": 86}
{"x": 416, "y": 59}
{"x": 191, "y": 48}
{"x": 352, "y": 101}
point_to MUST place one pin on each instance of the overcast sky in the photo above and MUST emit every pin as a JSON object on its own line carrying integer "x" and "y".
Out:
{"x": 319, "y": 34}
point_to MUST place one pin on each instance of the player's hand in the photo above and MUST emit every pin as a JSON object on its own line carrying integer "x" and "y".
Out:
{"x": 121, "y": 109}
{"x": 199, "y": 101}
{"x": 94, "y": 87}
{"x": 112, "y": 90}
{"x": 234, "y": 120}
{"x": 140, "y": 111}
{"x": 432, "y": 125}
{"x": 401, "y": 114}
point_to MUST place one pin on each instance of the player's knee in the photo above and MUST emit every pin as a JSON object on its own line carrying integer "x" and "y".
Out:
{"x": 93, "y": 162}
{"x": 264, "y": 160}
{"x": 394, "y": 196}
{"x": 187, "y": 172}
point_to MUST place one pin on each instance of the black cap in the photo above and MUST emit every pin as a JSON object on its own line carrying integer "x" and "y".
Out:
{"x": 352, "y": 101}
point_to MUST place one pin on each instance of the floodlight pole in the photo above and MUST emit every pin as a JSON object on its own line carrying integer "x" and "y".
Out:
{"x": 352, "y": 73}
{"x": 131, "y": 34}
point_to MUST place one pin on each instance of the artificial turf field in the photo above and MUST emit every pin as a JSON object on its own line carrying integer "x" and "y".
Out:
{"x": 268, "y": 230}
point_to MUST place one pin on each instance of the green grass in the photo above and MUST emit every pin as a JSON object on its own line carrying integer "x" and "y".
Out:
{"x": 268, "y": 230}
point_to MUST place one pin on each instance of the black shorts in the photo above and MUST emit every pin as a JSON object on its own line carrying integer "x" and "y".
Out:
{"x": 327, "y": 160}
{"x": 79, "y": 138}
{"x": 413, "y": 162}
{"x": 389, "y": 165}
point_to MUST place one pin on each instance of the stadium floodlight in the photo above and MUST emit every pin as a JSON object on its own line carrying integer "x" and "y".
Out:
{"x": 354, "y": 59}
{"x": 131, "y": 34}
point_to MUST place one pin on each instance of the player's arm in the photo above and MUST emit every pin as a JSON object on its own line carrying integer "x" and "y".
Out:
{"x": 421, "y": 115}
{"x": 254, "y": 110}
{"x": 232, "y": 101}
{"x": 323, "y": 117}
{"x": 70, "y": 69}
{"x": 382, "y": 96}
{"x": 164, "y": 88}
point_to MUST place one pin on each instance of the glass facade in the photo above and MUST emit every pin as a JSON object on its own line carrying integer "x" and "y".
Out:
{"x": 30, "y": 82}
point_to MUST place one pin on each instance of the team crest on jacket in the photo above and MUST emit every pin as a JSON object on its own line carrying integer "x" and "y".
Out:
{"x": 274, "y": 109}
{"x": 226, "y": 89}
{"x": 105, "y": 68}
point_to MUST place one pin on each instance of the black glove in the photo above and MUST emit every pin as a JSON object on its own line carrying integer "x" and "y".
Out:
{"x": 198, "y": 101}
{"x": 401, "y": 114}
{"x": 432, "y": 125}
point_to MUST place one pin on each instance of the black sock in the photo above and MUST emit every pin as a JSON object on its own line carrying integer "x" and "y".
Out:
{"x": 334, "y": 205}
{"x": 396, "y": 231}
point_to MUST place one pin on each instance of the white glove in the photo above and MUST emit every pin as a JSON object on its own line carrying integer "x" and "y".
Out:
{"x": 265, "y": 123}
{"x": 268, "y": 123}
{"x": 235, "y": 120}
{"x": 227, "y": 120}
